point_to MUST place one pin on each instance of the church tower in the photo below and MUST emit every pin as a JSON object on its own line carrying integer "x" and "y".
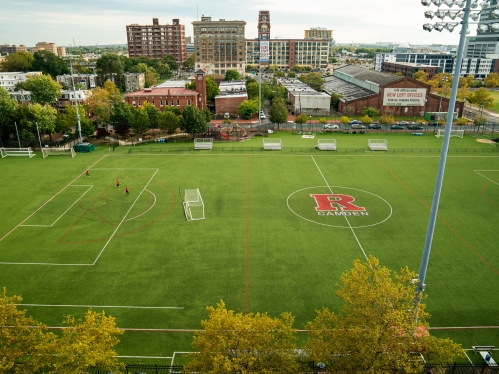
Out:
{"x": 201, "y": 88}
{"x": 264, "y": 25}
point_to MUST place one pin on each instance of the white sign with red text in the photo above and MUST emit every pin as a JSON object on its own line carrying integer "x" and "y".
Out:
{"x": 404, "y": 97}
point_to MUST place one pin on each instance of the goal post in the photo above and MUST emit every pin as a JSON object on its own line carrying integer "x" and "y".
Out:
{"x": 453, "y": 133}
{"x": 17, "y": 152}
{"x": 58, "y": 152}
{"x": 193, "y": 205}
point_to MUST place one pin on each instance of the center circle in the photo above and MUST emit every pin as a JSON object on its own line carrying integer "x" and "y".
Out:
{"x": 341, "y": 207}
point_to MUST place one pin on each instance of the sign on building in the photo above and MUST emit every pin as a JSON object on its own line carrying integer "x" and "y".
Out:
{"x": 264, "y": 51}
{"x": 404, "y": 97}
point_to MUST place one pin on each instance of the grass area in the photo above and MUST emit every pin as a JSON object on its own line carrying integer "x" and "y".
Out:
{"x": 495, "y": 106}
{"x": 90, "y": 244}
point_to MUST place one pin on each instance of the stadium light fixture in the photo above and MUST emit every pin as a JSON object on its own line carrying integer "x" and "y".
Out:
{"x": 441, "y": 13}
{"x": 495, "y": 13}
{"x": 494, "y": 27}
{"x": 429, "y": 14}
{"x": 426, "y": 2}
{"x": 451, "y": 26}
{"x": 428, "y": 27}
{"x": 452, "y": 14}
{"x": 482, "y": 28}
{"x": 437, "y": 2}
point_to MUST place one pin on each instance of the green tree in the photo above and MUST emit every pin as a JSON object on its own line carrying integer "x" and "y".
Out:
{"x": 189, "y": 63}
{"x": 366, "y": 120}
{"x": 212, "y": 89}
{"x": 386, "y": 119}
{"x": 120, "y": 116}
{"x": 248, "y": 108}
{"x": 8, "y": 108}
{"x": 207, "y": 114}
{"x": 370, "y": 111}
{"x": 482, "y": 98}
{"x": 99, "y": 105}
{"x": 44, "y": 89}
{"x": 302, "y": 118}
{"x": 153, "y": 114}
{"x": 323, "y": 120}
{"x": 420, "y": 75}
{"x": 169, "y": 122}
{"x": 378, "y": 327}
{"x": 45, "y": 116}
{"x": 244, "y": 343}
{"x": 344, "y": 120}
{"x": 314, "y": 80}
{"x": 193, "y": 120}
{"x": 491, "y": 80}
{"x": 278, "y": 113}
{"x": 111, "y": 65}
{"x": 480, "y": 121}
{"x": 191, "y": 85}
{"x": 232, "y": 75}
{"x": 170, "y": 61}
{"x": 291, "y": 75}
{"x": 114, "y": 92}
{"x": 252, "y": 90}
{"x": 140, "y": 121}
{"x": 68, "y": 120}
{"x": 335, "y": 100}
{"x": 49, "y": 63}
{"x": 20, "y": 61}
{"x": 279, "y": 74}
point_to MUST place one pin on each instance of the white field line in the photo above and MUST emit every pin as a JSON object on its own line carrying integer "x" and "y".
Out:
{"x": 53, "y": 223}
{"x": 144, "y": 212}
{"x": 123, "y": 220}
{"x": 351, "y": 228}
{"x": 104, "y": 306}
{"x": 155, "y": 357}
{"x": 468, "y": 357}
{"x": 180, "y": 353}
{"x": 42, "y": 263}
{"x": 46, "y": 202}
{"x": 493, "y": 181}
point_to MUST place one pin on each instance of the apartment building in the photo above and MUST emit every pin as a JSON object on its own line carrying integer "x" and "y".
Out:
{"x": 219, "y": 45}
{"x": 51, "y": 47}
{"x": 8, "y": 80}
{"x": 7, "y": 49}
{"x": 156, "y": 41}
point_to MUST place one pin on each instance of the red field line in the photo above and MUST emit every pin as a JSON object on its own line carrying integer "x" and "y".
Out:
{"x": 247, "y": 229}
{"x": 485, "y": 195}
{"x": 441, "y": 219}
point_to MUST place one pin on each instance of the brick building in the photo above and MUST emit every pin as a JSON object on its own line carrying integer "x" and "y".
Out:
{"x": 10, "y": 48}
{"x": 161, "y": 98}
{"x": 408, "y": 69}
{"x": 361, "y": 88}
{"x": 232, "y": 94}
{"x": 157, "y": 40}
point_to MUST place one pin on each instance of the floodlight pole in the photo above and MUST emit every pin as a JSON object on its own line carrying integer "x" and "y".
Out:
{"x": 443, "y": 156}
{"x": 18, "y": 138}
{"x": 75, "y": 101}
{"x": 39, "y": 139}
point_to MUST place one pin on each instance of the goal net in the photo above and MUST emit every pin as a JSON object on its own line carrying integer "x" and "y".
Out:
{"x": 16, "y": 152}
{"x": 193, "y": 205}
{"x": 456, "y": 133}
{"x": 58, "y": 152}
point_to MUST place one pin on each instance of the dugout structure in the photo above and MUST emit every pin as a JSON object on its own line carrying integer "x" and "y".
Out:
{"x": 453, "y": 133}
{"x": 17, "y": 152}
{"x": 193, "y": 205}
{"x": 326, "y": 145}
{"x": 203, "y": 143}
{"x": 378, "y": 144}
{"x": 272, "y": 144}
{"x": 58, "y": 152}
{"x": 84, "y": 147}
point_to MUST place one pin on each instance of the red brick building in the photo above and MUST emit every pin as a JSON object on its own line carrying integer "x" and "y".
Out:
{"x": 161, "y": 98}
{"x": 408, "y": 69}
{"x": 228, "y": 103}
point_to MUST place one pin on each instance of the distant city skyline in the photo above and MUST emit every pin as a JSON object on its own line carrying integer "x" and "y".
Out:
{"x": 103, "y": 22}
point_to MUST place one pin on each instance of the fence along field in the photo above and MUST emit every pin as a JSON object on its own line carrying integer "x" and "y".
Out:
{"x": 293, "y": 261}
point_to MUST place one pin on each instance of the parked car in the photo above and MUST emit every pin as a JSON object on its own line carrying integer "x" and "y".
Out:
{"x": 355, "y": 122}
{"x": 358, "y": 126}
{"x": 262, "y": 115}
{"x": 415, "y": 127}
{"x": 374, "y": 126}
{"x": 330, "y": 126}
{"x": 397, "y": 127}
{"x": 433, "y": 123}
{"x": 403, "y": 123}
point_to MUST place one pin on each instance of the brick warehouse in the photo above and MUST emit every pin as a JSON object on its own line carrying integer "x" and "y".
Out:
{"x": 362, "y": 88}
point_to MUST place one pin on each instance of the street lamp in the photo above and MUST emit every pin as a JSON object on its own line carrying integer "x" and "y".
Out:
{"x": 464, "y": 14}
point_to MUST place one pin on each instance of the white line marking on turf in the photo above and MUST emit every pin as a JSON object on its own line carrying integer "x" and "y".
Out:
{"x": 145, "y": 211}
{"x": 42, "y": 263}
{"x": 159, "y": 357}
{"x": 180, "y": 353}
{"x": 53, "y": 223}
{"x": 46, "y": 202}
{"x": 104, "y": 306}
{"x": 123, "y": 220}
{"x": 351, "y": 228}
{"x": 493, "y": 181}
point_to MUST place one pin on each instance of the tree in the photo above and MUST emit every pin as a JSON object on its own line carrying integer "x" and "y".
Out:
{"x": 68, "y": 120}
{"x": 248, "y": 108}
{"x": 20, "y": 61}
{"x": 49, "y": 63}
{"x": 378, "y": 327}
{"x": 335, "y": 100}
{"x": 170, "y": 61}
{"x": 278, "y": 113}
{"x": 140, "y": 121}
{"x": 45, "y": 116}
{"x": 302, "y": 118}
{"x": 280, "y": 74}
{"x": 244, "y": 343}
{"x": 169, "y": 122}
{"x": 189, "y": 63}
{"x": 207, "y": 114}
{"x": 44, "y": 90}
{"x": 314, "y": 80}
{"x": 212, "y": 89}
{"x": 386, "y": 119}
{"x": 344, "y": 120}
{"x": 370, "y": 111}
{"x": 462, "y": 93}
{"x": 291, "y": 75}
{"x": 8, "y": 108}
{"x": 121, "y": 114}
{"x": 480, "y": 121}
{"x": 420, "y": 75}
{"x": 491, "y": 80}
{"x": 114, "y": 92}
{"x": 164, "y": 71}
{"x": 99, "y": 105}
{"x": 232, "y": 75}
{"x": 323, "y": 120}
{"x": 193, "y": 121}
{"x": 366, "y": 120}
{"x": 252, "y": 90}
{"x": 153, "y": 114}
{"x": 482, "y": 98}
{"x": 109, "y": 65}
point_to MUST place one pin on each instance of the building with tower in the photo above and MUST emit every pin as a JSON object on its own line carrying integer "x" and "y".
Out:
{"x": 201, "y": 88}
{"x": 264, "y": 25}
{"x": 219, "y": 45}
{"x": 156, "y": 41}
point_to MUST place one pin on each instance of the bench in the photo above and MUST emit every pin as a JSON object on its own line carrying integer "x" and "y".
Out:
{"x": 326, "y": 145}
{"x": 203, "y": 143}
{"x": 483, "y": 348}
{"x": 272, "y": 144}
{"x": 377, "y": 144}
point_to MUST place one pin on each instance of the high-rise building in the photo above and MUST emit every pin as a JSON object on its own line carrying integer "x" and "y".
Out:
{"x": 219, "y": 45}
{"x": 321, "y": 33}
{"x": 485, "y": 44}
{"x": 157, "y": 40}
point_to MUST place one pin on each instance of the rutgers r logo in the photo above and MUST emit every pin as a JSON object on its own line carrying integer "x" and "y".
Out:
{"x": 331, "y": 203}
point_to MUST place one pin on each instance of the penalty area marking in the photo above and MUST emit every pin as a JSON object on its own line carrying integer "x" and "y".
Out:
{"x": 147, "y": 210}
{"x": 493, "y": 181}
{"x": 104, "y": 306}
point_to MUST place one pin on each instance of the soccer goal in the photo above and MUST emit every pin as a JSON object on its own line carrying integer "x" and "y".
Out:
{"x": 272, "y": 144}
{"x": 17, "y": 152}
{"x": 203, "y": 143}
{"x": 378, "y": 144}
{"x": 455, "y": 133}
{"x": 58, "y": 152}
{"x": 326, "y": 144}
{"x": 193, "y": 205}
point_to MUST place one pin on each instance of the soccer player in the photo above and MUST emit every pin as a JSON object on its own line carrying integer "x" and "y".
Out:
{"x": 126, "y": 191}
{"x": 87, "y": 174}
{"x": 117, "y": 182}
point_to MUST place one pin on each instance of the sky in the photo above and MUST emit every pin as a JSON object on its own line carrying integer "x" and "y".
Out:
{"x": 101, "y": 22}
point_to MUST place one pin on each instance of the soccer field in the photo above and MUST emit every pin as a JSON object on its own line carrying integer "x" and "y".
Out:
{"x": 280, "y": 229}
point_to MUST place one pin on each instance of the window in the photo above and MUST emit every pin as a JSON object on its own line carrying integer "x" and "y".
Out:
{"x": 153, "y": 102}
{"x": 161, "y": 103}
{"x": 178, "y": 102}
{"x": 133, "y": 102}
{"x": 173, "y": 103}
{"x": 188, "y": 102}
{"x": 140, "y": 103}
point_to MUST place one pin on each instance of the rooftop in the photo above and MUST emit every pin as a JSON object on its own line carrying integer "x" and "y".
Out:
{"x": 379, "y": 78}
{"x": 162, "y": 91}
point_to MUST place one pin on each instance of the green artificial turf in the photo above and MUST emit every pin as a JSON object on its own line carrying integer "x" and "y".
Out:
{"x": 263, "y": 247}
